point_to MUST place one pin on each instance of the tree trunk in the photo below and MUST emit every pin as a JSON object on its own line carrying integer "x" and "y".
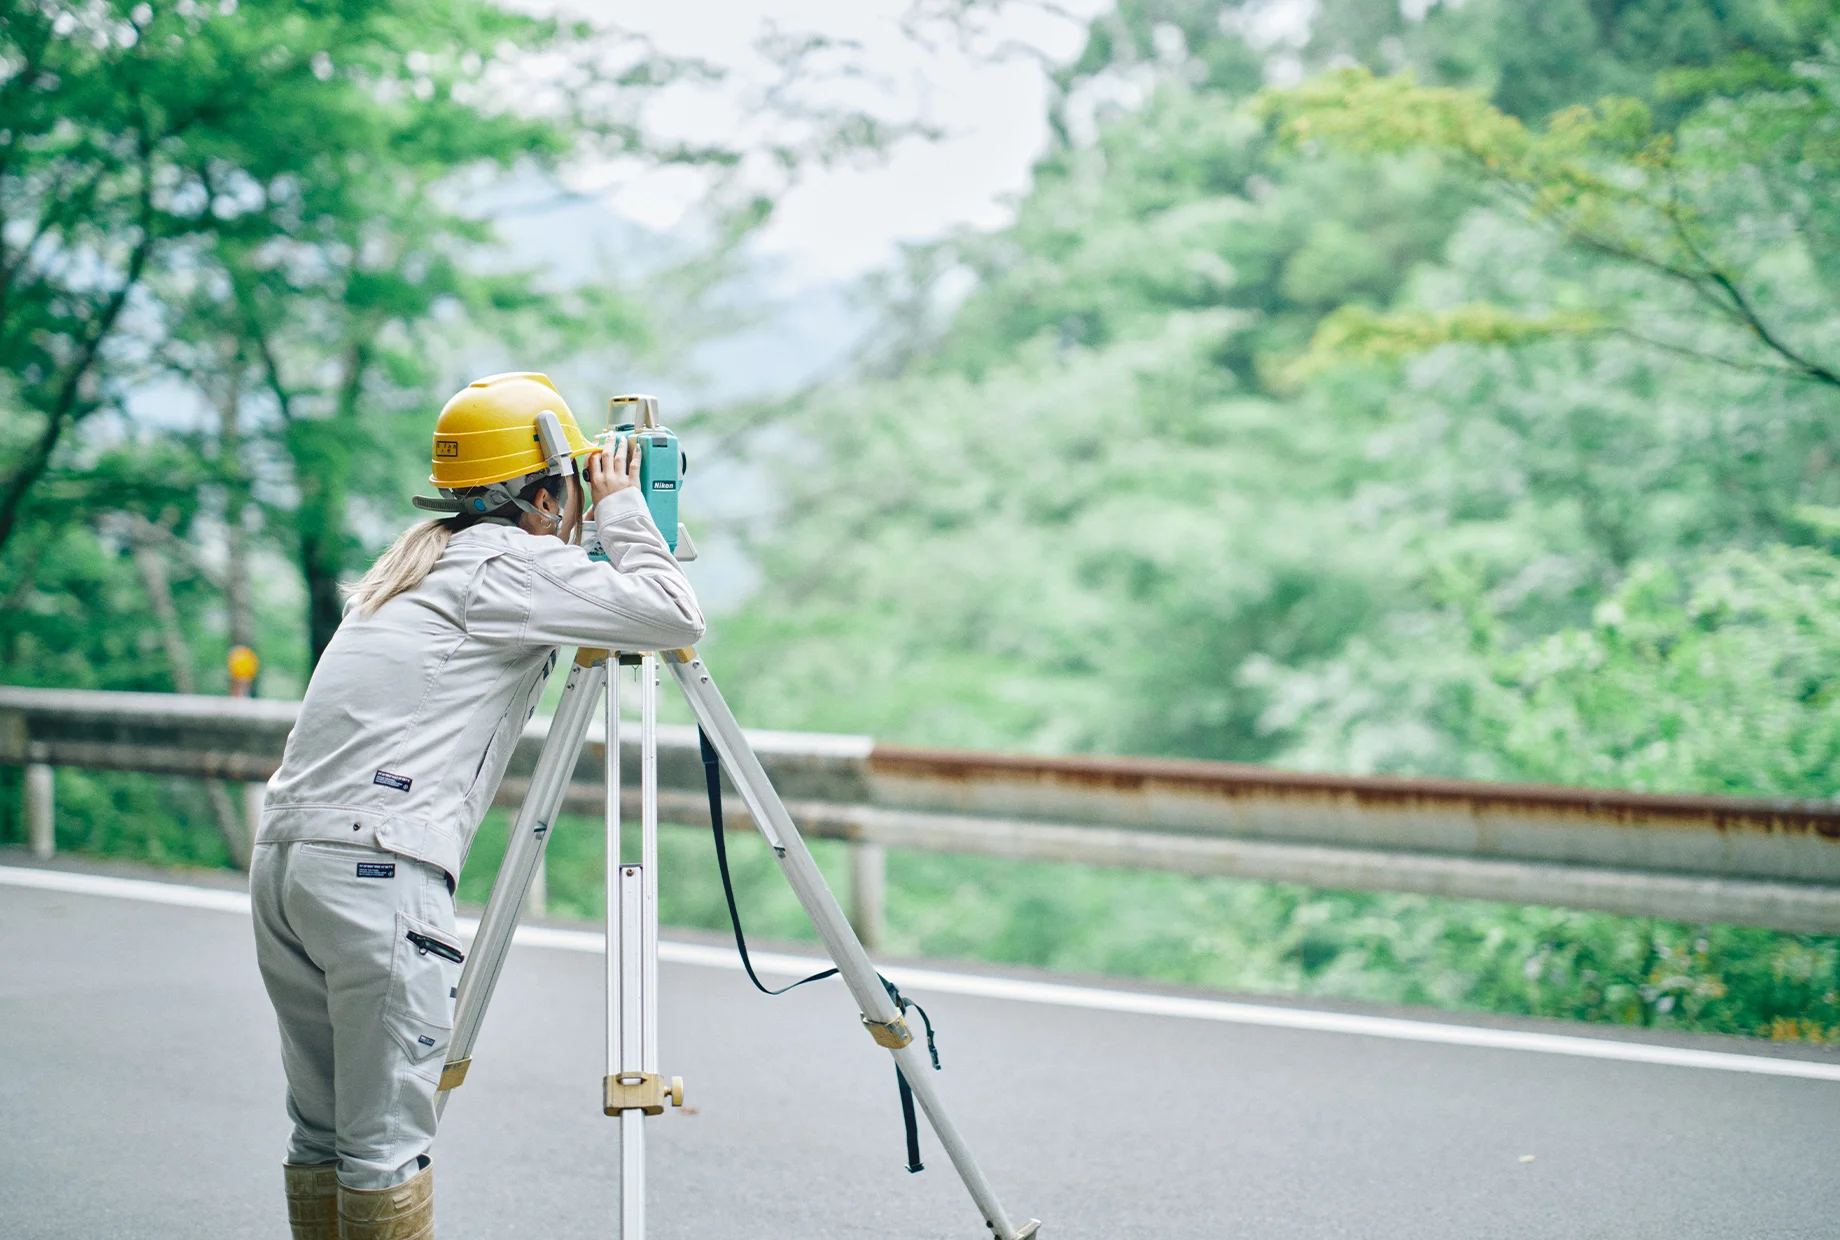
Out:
{"x": 236, "y": 593}
{"x": 16, "y": 597}
{"x": 152, "y": 567}
{"x": 322, "y": 566}
{"x": 236, "y": 508}
{"x": 322, "y": 462}
{"x": 68, "y": 407}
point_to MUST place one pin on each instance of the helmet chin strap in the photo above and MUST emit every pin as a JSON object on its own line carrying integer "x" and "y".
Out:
{"x": 485, "y": 501}
{"x": 552, "y": 519}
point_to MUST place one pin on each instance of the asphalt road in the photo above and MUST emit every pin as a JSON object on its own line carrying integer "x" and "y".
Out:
{"x": 141, "y": 1095}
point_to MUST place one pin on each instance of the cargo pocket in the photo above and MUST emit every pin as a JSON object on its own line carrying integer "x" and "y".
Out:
{"x": 424, "y": 970}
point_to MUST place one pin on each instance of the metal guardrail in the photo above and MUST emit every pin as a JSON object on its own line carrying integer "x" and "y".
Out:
{"x": 1756, "y": 862}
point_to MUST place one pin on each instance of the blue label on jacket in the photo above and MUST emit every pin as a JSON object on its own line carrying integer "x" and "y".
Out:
{"x": 399, "y": 782}
{"x": 376, "y": 869}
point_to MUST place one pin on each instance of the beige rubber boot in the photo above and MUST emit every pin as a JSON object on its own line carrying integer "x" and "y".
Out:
{"x": 313, "y": 1200}
{"x": 405, "y": 1212}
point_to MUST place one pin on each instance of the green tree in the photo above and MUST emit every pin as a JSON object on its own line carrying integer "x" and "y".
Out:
{"x": 1621, "y": 378}
{"x": 1726, "y": 683}
{"x": 1313, "y": 565}
{"x": 158, "y": 160}
{"x": 1716, "y": 207}
{"x": 333, "y": 316}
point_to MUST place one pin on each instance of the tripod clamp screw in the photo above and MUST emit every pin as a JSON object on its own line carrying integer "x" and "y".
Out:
{"x": 640, "y": 1091}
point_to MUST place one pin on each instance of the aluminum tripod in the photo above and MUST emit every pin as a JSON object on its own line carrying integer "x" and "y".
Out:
{"x": 633, "y": 1088}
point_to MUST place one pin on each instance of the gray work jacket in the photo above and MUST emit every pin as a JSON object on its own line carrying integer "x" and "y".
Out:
{"x": 414, "y": 710}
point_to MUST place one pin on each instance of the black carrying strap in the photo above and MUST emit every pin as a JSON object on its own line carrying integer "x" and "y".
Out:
{"x": 712, "y": 776}
{"x": 909, "y": 1123}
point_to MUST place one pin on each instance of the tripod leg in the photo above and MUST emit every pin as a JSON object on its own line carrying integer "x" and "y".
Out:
{"x": 648, "y": 862}
{"x": 613, "y": 871}
{"x": 623, "y": 999}
{"x": 884, "y": 1020}
{"x": 628, "y": 947}
{"x": 633, "y": 1089}
{"x": 523, "y": 852}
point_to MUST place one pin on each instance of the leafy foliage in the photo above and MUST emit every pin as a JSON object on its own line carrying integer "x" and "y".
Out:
{"x": 242, "y": 247}
{"x": 1728, "y": 684}
{"x": 1699, "y": 207}
{"x": 1416, "y": 430}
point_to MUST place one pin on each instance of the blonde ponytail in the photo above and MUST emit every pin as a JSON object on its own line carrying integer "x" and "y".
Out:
{"x": 404, "y": 565}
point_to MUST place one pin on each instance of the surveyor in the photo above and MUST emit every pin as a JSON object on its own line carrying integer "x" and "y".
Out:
{"x": 408, "y": 722}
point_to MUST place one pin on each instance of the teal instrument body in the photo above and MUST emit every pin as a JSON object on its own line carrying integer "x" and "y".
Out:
{"x": 661, "y": 463}
{"x": 661, "y": 475}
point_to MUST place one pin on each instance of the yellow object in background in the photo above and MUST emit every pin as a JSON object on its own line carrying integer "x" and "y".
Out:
{"x": 243, "y": 666}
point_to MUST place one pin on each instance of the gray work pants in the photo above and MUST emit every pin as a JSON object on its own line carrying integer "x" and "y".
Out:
{"x": 366, "y": 1013}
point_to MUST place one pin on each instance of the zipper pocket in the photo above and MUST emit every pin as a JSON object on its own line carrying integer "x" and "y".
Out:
{"x": 424, "y": 944}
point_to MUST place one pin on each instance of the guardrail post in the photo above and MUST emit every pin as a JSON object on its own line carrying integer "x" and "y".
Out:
{"x": 254, "y": 796}
{"x": 41, "y": 810}
{"x": 868, "y": 892}
{"x": 536, "y": 898}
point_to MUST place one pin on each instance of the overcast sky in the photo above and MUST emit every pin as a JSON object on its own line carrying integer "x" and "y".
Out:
{"x": 841, "y": 222}
{"x": 835, "y": 225}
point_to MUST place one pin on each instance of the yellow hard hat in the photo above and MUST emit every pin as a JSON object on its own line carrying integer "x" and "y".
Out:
{"x": 488, "y": 432}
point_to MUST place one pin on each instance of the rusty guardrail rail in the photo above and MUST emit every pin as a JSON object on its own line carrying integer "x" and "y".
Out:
{"x": 1756, "y": 862}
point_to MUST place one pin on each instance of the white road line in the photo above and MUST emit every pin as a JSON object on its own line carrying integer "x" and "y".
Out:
{"x": 1017, "y": 990}
{"x": 126, "y": 889}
